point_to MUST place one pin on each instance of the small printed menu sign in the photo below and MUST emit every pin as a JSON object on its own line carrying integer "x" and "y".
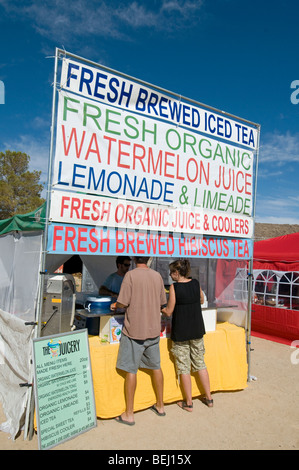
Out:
{"x": 63, "y": 386}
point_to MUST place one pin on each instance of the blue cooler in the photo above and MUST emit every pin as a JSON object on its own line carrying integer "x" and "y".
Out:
{"x": 99, "y": 304}
{"x": 94, "y": 308}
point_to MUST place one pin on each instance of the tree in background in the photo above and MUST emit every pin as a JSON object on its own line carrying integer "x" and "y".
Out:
{"x": 20, "y": 189}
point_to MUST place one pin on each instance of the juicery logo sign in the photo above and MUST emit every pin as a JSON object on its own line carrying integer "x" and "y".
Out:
{"x": 57, "y": 348}
{"x": 54, "y": 348}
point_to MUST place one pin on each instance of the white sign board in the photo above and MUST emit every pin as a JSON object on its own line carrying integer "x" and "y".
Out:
{"x": 124, "y": 145}
{"x": 63, "y": 385}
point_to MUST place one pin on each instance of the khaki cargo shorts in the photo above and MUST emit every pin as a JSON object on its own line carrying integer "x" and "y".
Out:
{"x": 189, "y": 355}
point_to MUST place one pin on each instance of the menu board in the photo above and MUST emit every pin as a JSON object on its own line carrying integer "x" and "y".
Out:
{"x": 64, "y": 395}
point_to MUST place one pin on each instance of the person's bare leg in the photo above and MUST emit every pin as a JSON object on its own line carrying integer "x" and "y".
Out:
{"x": 187, "y": 390}
{"x": 130, "y": 387}
{"x": 158, "y": 380}
{"x": 205, "y": 381}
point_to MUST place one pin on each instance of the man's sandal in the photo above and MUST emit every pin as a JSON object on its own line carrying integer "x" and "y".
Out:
{"x": 184, "y": 406}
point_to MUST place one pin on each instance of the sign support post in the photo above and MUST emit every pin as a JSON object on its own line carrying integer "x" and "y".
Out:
{"x": 41, "y": 278}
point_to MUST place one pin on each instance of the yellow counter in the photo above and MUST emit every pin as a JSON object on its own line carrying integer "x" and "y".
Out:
{"x": 225, "y": 358}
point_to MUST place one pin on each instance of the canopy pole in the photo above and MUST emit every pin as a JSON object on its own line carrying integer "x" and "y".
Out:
{"x": 42, "y": 272}
{"x": 250, "y": 265}
{"x": 49, "y": 185}
{"x": 248, "y": 326}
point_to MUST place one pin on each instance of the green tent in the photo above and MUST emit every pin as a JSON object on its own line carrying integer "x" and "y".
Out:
{"x": 34, "y": 220}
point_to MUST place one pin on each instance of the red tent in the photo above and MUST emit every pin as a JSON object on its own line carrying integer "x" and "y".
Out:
{"x": 275, "y": 307}
{"x": 275, "y": 311}
{"x": 281, "y": 252}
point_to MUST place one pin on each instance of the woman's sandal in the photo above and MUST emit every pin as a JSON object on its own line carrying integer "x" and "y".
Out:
{"x": 207, "y": 402}
{"x": 184, "y": 406}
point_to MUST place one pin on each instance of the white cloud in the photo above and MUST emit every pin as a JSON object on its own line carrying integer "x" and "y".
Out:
{"x": 279, "y": 148}
{"x": 277, "y": 185}
{"x": 268, "y": 219}
{"x": 277, "y": 209}
{"x": 184, "y": 8}
{"x": 61, "y": 20}
{"x": 171, "y": 14}
{"x": 137, "y": 16}
{"x": 266, "y": 173}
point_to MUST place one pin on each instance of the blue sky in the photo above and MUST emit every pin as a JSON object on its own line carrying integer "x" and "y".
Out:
{"x": 239, "y": 56}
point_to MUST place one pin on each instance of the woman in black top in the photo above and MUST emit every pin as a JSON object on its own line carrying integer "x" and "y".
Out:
{"x": 187, "y": 331}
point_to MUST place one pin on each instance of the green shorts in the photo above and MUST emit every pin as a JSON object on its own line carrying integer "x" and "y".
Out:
{"x": 189, "y": 355}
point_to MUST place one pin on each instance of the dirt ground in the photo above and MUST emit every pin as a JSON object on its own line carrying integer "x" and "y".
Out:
{"x": 264, "y": 416}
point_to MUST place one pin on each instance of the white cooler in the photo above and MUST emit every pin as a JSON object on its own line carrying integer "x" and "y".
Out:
{"x": 210, "y": 319}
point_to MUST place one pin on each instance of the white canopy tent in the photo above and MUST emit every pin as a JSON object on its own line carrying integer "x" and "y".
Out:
{"x": 20, "y": 265}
